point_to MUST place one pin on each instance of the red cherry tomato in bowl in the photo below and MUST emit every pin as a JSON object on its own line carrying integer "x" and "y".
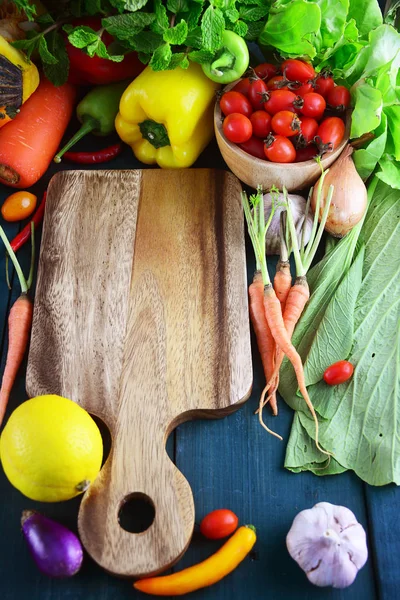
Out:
{"x": 277, "y": 83}
{"x": 257, "y": 93}
{"x": 314, "y": 105}
{"x": 339, "y": 97}
{"x": 339, "y": 372}
{"x": 255, "y": 147}
{"x": 219, "y": 524}
{"x": 331, "y": 131}
{"x": 307, "y": 153}
{"x": 286, "y": 123}
{"x": 305, "y": 88}
{"x": 237, "y": 128}
{"x": 235, "y": 102}
{"x": 308, "y": 130}
{"x": 266, "y": 70}
{"x": 242, "y": 86}
{"x": 281, "y": 100}
{"x": 297, "y": 70}
{"x": 323, "y": 85}
{"x": 261, "y": 122}
{"x": 279, "y": 149}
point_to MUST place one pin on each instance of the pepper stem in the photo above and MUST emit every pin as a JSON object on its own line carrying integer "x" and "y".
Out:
{"x": 155, "y": 133}
{"x": 89, "y": 124}
{"x": 225, "y": 60}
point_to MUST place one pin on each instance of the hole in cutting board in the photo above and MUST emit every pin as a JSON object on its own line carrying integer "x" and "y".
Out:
{"x": 137, "y": 513}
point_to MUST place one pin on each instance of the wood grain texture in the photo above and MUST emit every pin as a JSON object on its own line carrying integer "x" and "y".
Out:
{"x": 141, "y": 317}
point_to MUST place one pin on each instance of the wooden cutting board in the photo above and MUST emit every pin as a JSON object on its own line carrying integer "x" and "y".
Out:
{"x": 141, "y": 317}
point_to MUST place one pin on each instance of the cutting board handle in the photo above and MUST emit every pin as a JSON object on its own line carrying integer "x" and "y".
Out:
{"x": 152, "y": 497}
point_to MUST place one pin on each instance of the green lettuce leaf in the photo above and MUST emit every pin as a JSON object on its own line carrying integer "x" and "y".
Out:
{"x": 367, "y": 110}
{"x": 333, "y": 22}
{"x": 367, "y": 14}
{"x": 389, "y": 171}
{"x": 360, "y": 419}
{"x": 367, "y": 158}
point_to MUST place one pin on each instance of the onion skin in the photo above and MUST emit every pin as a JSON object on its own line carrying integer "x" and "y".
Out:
{"x": 349, "y": 200}
{"x": 56, "y": 551}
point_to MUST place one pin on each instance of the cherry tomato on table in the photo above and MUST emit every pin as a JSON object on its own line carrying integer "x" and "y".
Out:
{"x": 282, "y": 100}
{"x": 338, "y": 373}
{"x": 314, "y": 105}
{"x": 219, "y": 524}
{"x": 258, "y": 93}
{"x": 266, "y": 70}
{"x": 235, "y": 102}
{"x": 286, "y": 123}
{"x": 237, "y": 128}
{"x": 242, "y": 86}
{"x": 261, "y": 122}
{"x": 279, "y": 149}
{"x": 323, "y": 85}
{"x": 297, "y": 70}
{"x": 255, "y": 147}
{"x": 339, "y": 97}
{"x": 18, "y": 206}
{"x": 331, "y": 131}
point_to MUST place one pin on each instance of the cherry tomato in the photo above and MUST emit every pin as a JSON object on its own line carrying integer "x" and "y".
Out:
{"x": 258, "y": 93}
{"x": 281, "y": 100}
{"x": 242, "y": 86}
{"x": 266, "y": 70}
{"x": 219, "y": 524}
{"x": 306, "y": 153}
{"x": 308, "y": 130}
{"x": 254, "y": 146}
{"x": 339, "y": 97}
{"x": 18, "y": 206}
{"x": 237, "y": 128}
{"x": 339, "y": 372}
{"x": 261, "y": 122}
{"x": 277, "y": 83}
{"x": 331, "y": 131}
{"x": 314, "y": 105}
{"x": 305, "y": 88}
{"x": 297, "y": 70}
{"x": 279, "y": 149}
{"x": 235, "y": 102}
{"x": 286, "y": 123}
{"x": 323, "y": 85}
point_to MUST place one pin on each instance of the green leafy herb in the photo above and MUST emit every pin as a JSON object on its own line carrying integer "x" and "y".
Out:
{"x": 212, "y": 28}
{"x": 125, "y": 26}
{"x": 176, "y": 35}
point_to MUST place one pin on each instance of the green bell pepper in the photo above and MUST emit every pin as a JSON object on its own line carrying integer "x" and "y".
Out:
{"x": 230, "y": 60}
{"x": 97, "y": 112}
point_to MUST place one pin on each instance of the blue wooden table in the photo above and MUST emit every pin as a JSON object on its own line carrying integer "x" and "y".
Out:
{"x": 230, "y": 463}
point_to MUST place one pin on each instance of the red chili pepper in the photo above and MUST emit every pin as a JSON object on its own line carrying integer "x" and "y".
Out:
{"x": 25, "y": 234}
{"x": 94, "y": 158}
{"x": 85, "y": 70}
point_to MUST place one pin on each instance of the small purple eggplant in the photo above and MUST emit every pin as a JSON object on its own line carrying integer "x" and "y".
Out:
{"x": 55, "y": 549}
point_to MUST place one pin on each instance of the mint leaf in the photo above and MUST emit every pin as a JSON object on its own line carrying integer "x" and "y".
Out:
{"x": 240, "y": 28}
{"x": 81, "y": 36}
{"x": 195, "y": 38}
{"x": 57, "y": 73}
{"x": 212, "y": 28}
{"x": 146, "y": 42}
{"x": 28, "y": 7}
{"x": 99, "y": 48}
{"x": 177, "y": 6}
{"x": 178, "y": 60}
{"x": 193, "y": 16}
{"x": 144, "y": 58}
{"x": 161, "y": 58}
{"x": 93, "y": 7}
{"x": 126, "y": 25}
{"x": 253, "y": 30}
{"x": 45, "y": 55}
{"x": 176, "y": 35}
{"x": 161, "y": 22}
{"x": 134, "y": 5}
{"x": 28, "y": 46}
{"x": 45, "y": 19}
{"x": 201, "y": 56}
{"x": 232, "y": 14}
{"x": 253, "y": 13}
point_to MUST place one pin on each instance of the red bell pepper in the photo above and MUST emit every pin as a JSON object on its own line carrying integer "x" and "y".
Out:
{"x": 98, "y": 71}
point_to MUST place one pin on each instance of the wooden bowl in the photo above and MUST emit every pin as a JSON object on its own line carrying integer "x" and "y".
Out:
{"x": 254, "y": 171}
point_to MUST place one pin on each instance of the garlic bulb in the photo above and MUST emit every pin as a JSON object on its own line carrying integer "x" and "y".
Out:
{"x": 298, "y": 204}
{"x": 328, "y": 544}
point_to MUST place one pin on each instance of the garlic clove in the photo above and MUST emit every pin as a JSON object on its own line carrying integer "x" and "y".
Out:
{"x": 328, "y": 544}
{"x": 298, "y": 204}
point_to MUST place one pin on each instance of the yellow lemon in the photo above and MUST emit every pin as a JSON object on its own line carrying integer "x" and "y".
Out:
{"x": 51, "y": 449}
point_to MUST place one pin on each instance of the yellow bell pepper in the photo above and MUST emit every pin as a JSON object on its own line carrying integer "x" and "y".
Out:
{"x": 167, "y": 116}
{"x": 19, "y": 78}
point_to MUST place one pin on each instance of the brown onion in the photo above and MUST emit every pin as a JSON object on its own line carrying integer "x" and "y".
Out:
{"x": 349, "y": 200}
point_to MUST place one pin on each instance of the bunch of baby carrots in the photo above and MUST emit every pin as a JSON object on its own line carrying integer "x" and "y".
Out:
{"x": 276, "y": 308}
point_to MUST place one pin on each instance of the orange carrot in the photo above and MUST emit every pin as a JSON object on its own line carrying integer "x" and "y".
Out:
{"x": 297, "y": 299}
{"x": 265, "y": 341}
{"x": 30, "y": 140}
{"x": 19, "y": 326}
{"x": 282, "y": 281}
{"x": 274, "y": 317}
